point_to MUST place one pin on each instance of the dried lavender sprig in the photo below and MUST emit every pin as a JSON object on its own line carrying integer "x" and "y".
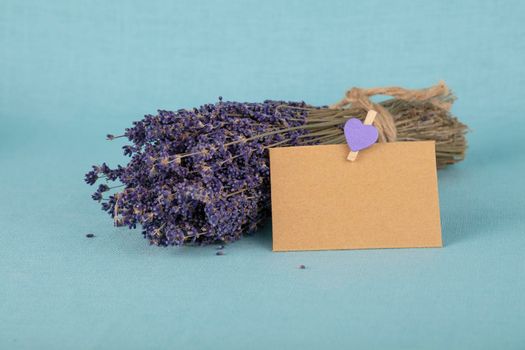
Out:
{"x": 202, "y": 175}
{"x": 197, "y": 199}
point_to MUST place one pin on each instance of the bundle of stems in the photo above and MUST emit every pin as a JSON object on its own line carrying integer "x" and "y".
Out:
{"x": 412, "y": 115}
{"x": 201, "y": 175}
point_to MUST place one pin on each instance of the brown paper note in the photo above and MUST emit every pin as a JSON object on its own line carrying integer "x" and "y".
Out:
{"x": 388, "y": 198}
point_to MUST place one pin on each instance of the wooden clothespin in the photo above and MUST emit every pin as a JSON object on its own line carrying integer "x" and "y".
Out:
{"x": 360, "y": 135}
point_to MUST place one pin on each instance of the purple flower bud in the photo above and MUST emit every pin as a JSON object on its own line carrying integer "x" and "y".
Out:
{"x": 199, "y": 176}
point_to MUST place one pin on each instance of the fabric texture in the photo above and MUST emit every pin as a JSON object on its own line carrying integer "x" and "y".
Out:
{"x": 72, "y": 71}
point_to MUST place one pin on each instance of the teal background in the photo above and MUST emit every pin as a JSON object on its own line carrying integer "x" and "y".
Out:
{"x": 72, "y": 71}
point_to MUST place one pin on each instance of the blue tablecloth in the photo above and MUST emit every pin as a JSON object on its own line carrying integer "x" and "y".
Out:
{"x": 71, "y": 71}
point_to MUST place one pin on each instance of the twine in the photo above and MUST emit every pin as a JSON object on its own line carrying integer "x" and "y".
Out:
{"x": 358, "y": 98}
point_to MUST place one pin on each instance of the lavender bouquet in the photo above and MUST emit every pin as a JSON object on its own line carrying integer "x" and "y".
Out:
{"x": 201, "y": 176}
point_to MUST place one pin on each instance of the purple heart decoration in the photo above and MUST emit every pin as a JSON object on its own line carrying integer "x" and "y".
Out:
{"x": 359, "y": 136}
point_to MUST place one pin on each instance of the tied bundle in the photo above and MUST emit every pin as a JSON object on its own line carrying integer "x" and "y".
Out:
{"x": 201, "y": 175}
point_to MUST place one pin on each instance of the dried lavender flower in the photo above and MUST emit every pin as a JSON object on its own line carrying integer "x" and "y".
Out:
{"x": 201, "y": 175}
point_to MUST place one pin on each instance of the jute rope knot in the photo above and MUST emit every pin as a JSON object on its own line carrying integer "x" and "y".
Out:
{"x": 439, "y": 95}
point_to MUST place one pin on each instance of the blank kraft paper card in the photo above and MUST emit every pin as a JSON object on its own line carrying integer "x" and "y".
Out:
{"x": 387, "y": 198}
